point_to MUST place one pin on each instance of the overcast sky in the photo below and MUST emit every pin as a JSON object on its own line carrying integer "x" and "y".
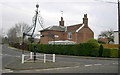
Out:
{"x": 101, "y": 15}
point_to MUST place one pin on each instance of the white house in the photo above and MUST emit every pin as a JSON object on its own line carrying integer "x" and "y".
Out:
{"x": 116, "y": 37}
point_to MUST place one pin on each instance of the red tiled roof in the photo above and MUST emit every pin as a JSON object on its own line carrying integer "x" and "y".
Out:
{"x": 73, "y": 28}
{"x": 103, "y": 39}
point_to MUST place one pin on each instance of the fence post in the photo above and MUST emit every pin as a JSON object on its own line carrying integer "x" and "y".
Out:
{"x": 30, "y": 55}
{"x": 22, "y": 58}
{"x": 53, "y": 57}
{"x": 44, "y": 58}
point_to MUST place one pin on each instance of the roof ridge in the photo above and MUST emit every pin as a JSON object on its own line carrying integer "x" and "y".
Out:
{"x": 80, "y": 27}
{"x": 75, "y": 25}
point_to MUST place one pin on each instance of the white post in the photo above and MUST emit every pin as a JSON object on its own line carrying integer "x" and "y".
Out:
{"x": 44, "y": 58}
{"x": 53, "y": 57}
{"x": 30, "y": 55}
{"x": 22, "y": 58}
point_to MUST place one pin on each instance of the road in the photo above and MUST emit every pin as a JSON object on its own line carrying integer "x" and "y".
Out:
{"x": 87, "y": 65}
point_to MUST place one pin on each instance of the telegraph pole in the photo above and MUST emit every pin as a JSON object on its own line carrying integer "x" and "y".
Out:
{"x": 119, "y": 27}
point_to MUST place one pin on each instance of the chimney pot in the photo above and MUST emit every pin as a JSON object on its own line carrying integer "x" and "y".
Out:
{"x": 61, "y": 23}
{"x": 85, "y": 20}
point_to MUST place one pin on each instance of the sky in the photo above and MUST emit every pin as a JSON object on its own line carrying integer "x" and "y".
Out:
{"x": 102, "y": 16}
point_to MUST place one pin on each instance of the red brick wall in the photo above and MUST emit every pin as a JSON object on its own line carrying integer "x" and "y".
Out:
{"x": 73, "y": 37}
{"x": 46, "y": 39}
{"x": 84, "y": 35}
{"x": 81, "y": 36}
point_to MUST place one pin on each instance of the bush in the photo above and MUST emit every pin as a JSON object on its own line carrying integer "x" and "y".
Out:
{"x": 94, "y": 43}
{"x": 101, "y": 50}
{"x": 110, "y": 53}
{"x": 106, "y": 53}
{"x": 110, "y": 45}
{"x": 95, "y": 52}
{"x": 114, "y": 53}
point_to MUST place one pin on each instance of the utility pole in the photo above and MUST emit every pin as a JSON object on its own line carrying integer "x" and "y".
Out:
{"x": 23, "y": 43}
{"x": 119, "y": 27}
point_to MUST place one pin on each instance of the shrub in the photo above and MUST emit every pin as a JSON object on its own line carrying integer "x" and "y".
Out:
{"x": 106, "y": 53}
{"x": 114, "y": 53}
{"x": 94, "y": 43}
{"x": 110, "y": 45}
{"x": 95, "y": 52}
{"x": 100, "y": 50}
{"x": 110, "y": 53}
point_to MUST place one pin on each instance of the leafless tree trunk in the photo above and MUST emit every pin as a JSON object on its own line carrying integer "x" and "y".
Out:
{"x": 15, "y": 33}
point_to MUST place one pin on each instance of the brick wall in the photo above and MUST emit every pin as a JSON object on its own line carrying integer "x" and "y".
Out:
{"x": 81, "y": 36}
{"x": 47, "y": 38}
{"x": 84, "y": 35}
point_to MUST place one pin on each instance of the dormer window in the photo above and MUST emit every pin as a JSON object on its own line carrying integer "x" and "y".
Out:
{"x": 69, "y": 35}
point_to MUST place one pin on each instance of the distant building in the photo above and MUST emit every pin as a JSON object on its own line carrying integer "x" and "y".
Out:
{"x": 78, "y": 33}
{"x": 103, "y": 40}
{"x": 116, "y": 37}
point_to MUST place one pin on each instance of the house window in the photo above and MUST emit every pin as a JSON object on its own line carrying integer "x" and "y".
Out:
{"x": 69, "y": 35}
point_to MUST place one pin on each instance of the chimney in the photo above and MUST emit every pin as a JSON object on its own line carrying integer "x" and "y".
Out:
{"x": 61, "y": 23}
{"x": 85, "y": 20}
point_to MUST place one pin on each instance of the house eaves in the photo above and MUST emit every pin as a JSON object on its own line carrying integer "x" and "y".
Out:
{"x": 80, "y": 28}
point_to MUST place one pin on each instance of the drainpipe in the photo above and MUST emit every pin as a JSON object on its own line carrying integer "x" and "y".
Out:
{"x": 76, "y": 37}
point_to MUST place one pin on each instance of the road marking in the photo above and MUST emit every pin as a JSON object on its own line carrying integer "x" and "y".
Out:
{"x": 57, "y": 68}
{"x": 7, "y": 70}
{"x": 17, "y": 56}
{"x": 51, "y": 69}
{"x": 10, "y": 55}
{"x": 87, "y": 65}
{"x": 97, "y": 64}
{"x": 115, "y": 63}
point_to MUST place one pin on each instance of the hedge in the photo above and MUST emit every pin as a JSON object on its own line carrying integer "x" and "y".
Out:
{"x": 110, "y": 53}
{"x": 17, "y": 45}
{"x": 84, "y": 49}
{"x": 110, "y": 46}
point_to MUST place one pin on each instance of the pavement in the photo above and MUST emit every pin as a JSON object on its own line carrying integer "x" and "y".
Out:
{"x": 38, "y": 65}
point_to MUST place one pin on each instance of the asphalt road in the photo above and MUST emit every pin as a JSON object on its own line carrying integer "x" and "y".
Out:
{"x": 87, "y": 65}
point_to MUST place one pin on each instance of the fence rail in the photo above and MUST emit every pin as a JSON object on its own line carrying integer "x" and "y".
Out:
{"x": 43, "y": 57}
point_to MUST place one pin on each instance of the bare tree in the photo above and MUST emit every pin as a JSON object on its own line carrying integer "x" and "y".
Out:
{"x": 12, "y": 35}
{"x": 15, "y": 34}
{"x": 21, "y": 27}
{"x": 107, "y": 34}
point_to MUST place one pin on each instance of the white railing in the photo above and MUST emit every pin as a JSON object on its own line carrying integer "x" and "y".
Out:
{"x": 29, "y": 57}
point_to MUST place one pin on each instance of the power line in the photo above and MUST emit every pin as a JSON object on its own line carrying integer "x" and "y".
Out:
{"x": 107, "y": 1}
{"x": 19, "y": 9}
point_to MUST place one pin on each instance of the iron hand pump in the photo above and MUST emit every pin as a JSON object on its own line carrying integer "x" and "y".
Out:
{"x": 25, "y": 34}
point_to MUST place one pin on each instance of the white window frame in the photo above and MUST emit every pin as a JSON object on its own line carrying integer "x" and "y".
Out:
{"x": 69, "y": 35}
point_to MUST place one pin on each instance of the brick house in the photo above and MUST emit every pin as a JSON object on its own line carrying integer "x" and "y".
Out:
{"x": 79, "y": 33}
{"x": 104, "y": 40}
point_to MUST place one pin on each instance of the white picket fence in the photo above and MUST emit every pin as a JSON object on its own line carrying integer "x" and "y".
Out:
{"x": 39, "y": 58}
